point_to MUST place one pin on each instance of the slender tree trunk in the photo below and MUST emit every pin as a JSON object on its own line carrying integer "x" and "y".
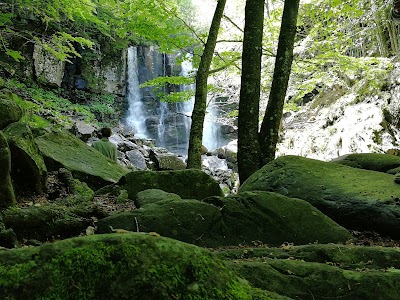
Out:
{"x": 248, "y": 146}
{"x": 273, "y": 115}
{"x": 199, "y": 110}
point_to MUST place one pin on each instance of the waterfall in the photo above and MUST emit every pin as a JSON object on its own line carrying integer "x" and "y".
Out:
{"x": 167, "y": 123}
{"x": 136, "y": 117}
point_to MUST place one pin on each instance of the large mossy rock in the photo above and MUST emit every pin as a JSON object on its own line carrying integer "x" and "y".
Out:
{"x": 355, "y": 198}
{"x": 321, "y": 271}
{"x": 120, "y": 266}
{"x": 188, "y": 184}
{"x": 28, "y": 168}
{"x": 370, "y": 161}
{"x": 9, "y": 111}
{"x": 243, "y": 219}
{"x": 62, "y": 149}
{"x": 274, "y": 219}
{"x": 152, "y": 196}
{"x": 7, "y": 197}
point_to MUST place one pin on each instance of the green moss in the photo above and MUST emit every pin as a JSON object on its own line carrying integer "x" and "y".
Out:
{"x": 130, "y": 266}
{"x": 9, "y": 111}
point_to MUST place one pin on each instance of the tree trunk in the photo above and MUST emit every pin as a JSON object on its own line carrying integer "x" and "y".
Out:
{"x": 273, "y": 115}
{"x": 199, "y": 110}
{"x": 248, "y": 146}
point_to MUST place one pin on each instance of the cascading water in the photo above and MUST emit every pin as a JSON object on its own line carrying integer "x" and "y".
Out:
{"x": 136, "y": 115}
{"x": 167, "y": 123}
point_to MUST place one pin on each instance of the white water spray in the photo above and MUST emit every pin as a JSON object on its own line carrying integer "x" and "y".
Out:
{"x": 136, "y": 118}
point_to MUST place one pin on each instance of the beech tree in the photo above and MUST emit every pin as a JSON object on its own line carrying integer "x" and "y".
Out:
{"x": 256, "y": 149}
{"x": 248, "y": 145}
{"x": 199, "y": 110}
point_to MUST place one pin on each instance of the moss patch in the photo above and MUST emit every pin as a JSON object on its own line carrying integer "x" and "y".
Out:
{"x": 130, "y": 266}
{"x": 62, "y": 149}
{"x": 355, "y": 198}
{"x": 9, "y": 111}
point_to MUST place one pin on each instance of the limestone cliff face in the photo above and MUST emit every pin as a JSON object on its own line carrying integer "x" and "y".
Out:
{"x": 48, "y": 69}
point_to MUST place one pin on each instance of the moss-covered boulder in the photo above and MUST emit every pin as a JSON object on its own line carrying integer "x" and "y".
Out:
{"x": 7, "y": 197}
{"x": 28, "y": 168}
{"x": 9, "y": 111}
{"x": 189, "y": 221}
{"x": 120, "y": 266}
{"x": 46, "y": 222}
{"x": 274, "y": 219}
{"x": 322, "y": 271}
{"x": 355, "y": 198}
{"x": 152, "y": 196}
{"x": 370, "y": 161}
{"x": 62, "y": 149}
{"x": 188, "y": 184}
{"x": 254, "y": 216}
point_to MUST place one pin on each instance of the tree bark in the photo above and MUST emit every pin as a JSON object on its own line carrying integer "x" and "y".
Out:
{"x": 248, "y": 145}
{"x": 270, "y": 126}
{"x": 199, "y": 110}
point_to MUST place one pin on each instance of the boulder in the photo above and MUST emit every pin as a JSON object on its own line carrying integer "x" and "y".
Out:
{"x": 321, "y": 271}
{"x": 7, "y": 197}
{"x": 62, "y": 149}
{"x": 83, "y": 130}
{"x": 254, "y": 216}
{"x": 9, "y": 112}
{"x": 355, "y": 198}
{"x": 274, "y": 219}
{"x": 28, "y": 168}
{"x": 120, "y": 266}
{"x": 188, "y": 184}
{"x": 370, "y": 161}
{"x": 152, "y": 196}
{"x": 166, "y": 161}
{"x": 137, "y": 159}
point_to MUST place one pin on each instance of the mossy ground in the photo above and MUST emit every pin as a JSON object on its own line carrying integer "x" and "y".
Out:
{"x": 320, "y": 271}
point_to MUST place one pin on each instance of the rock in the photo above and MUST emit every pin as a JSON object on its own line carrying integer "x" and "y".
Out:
{"x": 265, "y": 217}
{"x": 274, "y": 219}
{"x": 28, "y": 168}
{"x": 152, "y": 196}
{"x": 188, "y": 184}
{"x": 370, "y": 161}
{"x": 49, "y": 70}
{"x": 190, "y": 221}
{"x": 7, "y": 197}
{"x": 83, "y": 130}
{"x": 322, "y": 271}
{"x": 9, "y": 112}
{"x": 62, "y": 149}
{"x": 45, "y": 222}
{"x": 120, "y": 266}
{"x": 137, "y": 159}
{"x": 354, "y": 198}
{"x": 166, "y": 161}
